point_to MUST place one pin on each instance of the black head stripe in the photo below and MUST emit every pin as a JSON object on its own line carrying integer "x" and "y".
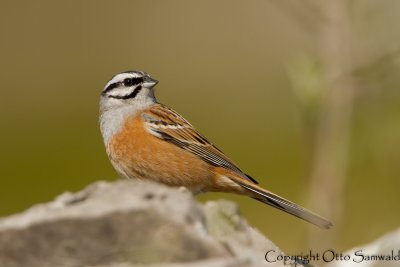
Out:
{"x": 137, "y": 80}
{"x": 110, "y": 87}
{"x": 131, "y": 95}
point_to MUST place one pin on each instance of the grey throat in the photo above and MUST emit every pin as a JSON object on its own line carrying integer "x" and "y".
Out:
{"x": 114, "y": 112}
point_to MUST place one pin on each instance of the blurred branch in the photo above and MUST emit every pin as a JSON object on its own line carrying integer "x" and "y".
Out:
{"x": 328, "y": 176}
{"x": 326, "y": 88}
{"x": 373, "y": 75}
{"x": 377, "y": 63}
{"x": 304, "y": 13}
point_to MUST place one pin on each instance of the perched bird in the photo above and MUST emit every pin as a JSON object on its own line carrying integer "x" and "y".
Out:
{"x": 147, "y": 140}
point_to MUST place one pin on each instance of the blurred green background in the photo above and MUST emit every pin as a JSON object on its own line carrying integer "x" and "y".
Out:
{"x": 250, "y": 75}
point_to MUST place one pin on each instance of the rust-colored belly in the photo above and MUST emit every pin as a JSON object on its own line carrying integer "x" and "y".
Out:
{"x": 135, "y": 153}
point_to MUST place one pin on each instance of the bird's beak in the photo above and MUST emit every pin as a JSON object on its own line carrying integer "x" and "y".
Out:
{"x": 149, "y": 82}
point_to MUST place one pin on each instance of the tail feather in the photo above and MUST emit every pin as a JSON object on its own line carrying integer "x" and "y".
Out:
{"x": 283, "y": 204}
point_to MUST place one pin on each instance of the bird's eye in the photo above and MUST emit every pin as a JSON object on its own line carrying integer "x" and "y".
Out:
{"x": 132, "y": 81}
{"x": 128, "y": 82}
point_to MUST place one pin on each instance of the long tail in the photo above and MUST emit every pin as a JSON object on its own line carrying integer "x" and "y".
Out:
{"x": 285, "y": 205}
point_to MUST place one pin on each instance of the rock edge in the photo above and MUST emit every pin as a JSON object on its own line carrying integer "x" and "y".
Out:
{"x": 131, "y": 223}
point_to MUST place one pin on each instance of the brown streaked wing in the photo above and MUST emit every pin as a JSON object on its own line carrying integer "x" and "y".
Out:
{"x": 168, "y": 125}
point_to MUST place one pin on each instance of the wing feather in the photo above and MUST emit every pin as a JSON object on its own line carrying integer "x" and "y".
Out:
{"x": 168, "y": 125}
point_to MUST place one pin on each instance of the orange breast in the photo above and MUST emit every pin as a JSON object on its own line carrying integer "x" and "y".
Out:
{"x": 136, "y": 153}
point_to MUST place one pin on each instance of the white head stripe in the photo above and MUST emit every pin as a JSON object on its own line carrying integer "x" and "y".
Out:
{"x": 124, "y": 91}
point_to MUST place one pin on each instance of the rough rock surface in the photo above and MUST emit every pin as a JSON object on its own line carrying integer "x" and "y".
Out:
{"x": 383, "y": 252}
{"x": 131, "y": 223}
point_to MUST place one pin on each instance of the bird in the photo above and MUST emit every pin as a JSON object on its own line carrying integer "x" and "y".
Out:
{"x": 147, "y": 140}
